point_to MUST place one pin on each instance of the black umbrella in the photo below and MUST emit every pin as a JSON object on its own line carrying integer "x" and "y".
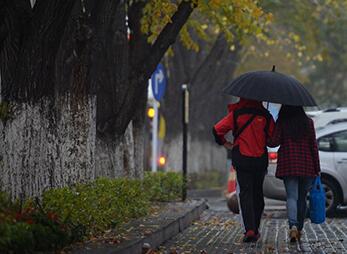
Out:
{"x": 270, "y": 86}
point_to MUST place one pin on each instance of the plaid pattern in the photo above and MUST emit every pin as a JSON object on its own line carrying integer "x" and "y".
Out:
{"x": 298, "y": 158}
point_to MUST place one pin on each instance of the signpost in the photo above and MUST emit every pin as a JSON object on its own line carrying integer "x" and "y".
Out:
{"x": 158, "y": 85}
{"x": 158, "y": 82}
{"x": 185, "y": 121}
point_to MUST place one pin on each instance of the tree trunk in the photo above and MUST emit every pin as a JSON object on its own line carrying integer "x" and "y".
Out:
{"x": 48, "y": 134}
{"x": 46, "y": 146}
{"x": 116, "y": 157}
{"x": 74, "y": 90}
{"x": 139, "y": 136}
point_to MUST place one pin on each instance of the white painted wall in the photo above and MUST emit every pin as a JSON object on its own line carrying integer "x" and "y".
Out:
{"x": 202, "y": 156}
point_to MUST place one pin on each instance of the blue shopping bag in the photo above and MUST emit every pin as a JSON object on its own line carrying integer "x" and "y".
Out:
{"x": 317, "y": 202}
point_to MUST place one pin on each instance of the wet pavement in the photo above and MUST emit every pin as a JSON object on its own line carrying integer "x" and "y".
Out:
{"x": 219, "y": 231}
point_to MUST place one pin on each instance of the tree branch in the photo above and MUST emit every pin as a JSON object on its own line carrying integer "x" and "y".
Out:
{"x": 143, "y": 61}
{"x": 165, "y": 39}
{"x": 208, "y": 62}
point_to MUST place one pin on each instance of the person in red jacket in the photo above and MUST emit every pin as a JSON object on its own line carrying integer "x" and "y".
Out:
{"x": 251, "y": 125}
{"x": 297, "y": 163}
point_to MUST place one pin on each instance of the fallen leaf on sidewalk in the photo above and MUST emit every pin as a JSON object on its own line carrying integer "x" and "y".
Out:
{"x": 147, "y": 232}
{"x": 270, "y": 249}
{"x": 173, "y": 251}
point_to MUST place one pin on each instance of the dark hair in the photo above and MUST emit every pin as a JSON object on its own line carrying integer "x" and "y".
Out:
{"x": 294, "y": 121}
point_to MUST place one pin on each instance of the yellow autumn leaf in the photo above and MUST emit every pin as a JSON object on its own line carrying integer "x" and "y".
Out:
{"x": 235, "y": 18}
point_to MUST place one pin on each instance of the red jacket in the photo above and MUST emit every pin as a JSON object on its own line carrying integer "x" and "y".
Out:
{"x": 253, "y": 139}
{"x": 296, "y": 158}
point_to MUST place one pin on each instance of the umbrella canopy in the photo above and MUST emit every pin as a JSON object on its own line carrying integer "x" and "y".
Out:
{"x": 270, "y": 86}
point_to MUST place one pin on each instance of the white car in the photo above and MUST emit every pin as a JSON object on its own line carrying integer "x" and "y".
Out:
{"x": 332, "y": 145}
{"x": 322, "y": 118}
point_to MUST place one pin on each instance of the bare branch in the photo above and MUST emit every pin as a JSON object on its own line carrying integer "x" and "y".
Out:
{"x": 205, "y": 66}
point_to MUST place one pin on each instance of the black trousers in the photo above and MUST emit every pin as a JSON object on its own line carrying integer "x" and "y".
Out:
{"x": 251, "y": 196}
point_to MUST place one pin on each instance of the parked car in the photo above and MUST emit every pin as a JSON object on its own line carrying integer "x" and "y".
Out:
{"x": 332, "y": 145}
{"x": 322, "y": 118}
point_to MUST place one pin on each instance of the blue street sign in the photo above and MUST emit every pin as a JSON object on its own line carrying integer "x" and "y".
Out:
{"x": 158, "y": 80}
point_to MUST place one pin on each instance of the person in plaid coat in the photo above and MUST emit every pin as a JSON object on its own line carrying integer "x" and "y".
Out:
{"x": 297, "y": 163}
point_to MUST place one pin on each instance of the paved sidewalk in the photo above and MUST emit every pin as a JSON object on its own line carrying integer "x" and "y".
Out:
{"x": 151, "y": 230}
{"x": 220, "y": 232}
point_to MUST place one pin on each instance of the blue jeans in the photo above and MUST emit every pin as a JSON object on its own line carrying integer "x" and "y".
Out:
{"x": 297, "y": 188}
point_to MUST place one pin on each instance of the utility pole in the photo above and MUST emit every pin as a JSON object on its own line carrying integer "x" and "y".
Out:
{"x": 185, "y": 121}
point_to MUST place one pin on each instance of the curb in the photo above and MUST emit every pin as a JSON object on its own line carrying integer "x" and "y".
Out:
{"x": 156, "y": 238}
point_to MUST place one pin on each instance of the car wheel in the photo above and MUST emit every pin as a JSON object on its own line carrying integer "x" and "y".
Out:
{"x": 331, "y": 196}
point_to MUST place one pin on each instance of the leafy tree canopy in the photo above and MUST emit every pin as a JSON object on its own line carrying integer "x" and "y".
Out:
{"x": 310, "y": 42}
{"x": 236, "y": 19}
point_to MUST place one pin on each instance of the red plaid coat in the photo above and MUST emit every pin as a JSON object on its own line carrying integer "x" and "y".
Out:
{"x": 296, "y": 158}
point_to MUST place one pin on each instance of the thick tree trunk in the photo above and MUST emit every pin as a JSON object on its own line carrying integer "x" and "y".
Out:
{"x": 46, "y": 146}
{"x": 139, "y": 135}
{"x": 77, "y": 90}
{"x": 49, "y": 134}
{"x": 116, "y": 157}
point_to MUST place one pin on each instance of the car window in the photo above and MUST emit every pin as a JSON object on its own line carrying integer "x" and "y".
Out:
{"x": 325, "y": 144}
{"x": 340, "y": 141}
{"x": 336, "y": 121}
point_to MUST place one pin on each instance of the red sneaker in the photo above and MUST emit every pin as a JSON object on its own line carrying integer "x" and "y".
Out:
{"x": 249, "y": 237}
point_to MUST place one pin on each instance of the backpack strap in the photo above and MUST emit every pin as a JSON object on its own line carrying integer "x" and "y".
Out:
{"x": 251, "y": 111}
{"x": 239, "y": 131}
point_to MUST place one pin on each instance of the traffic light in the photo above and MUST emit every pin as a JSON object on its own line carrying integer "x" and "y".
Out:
{"x": 162, "y": 161}
{"x": 151, "y": 112}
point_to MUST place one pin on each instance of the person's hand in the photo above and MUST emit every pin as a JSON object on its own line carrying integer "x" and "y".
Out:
{"x": 228, "y": 145}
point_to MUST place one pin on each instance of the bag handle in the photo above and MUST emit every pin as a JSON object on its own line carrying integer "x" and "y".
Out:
{"x": 317, "y": 185}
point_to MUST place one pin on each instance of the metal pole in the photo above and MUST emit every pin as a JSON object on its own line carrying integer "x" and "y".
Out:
{"x": 155, "y": 136}
{"x": 185, "y": 121}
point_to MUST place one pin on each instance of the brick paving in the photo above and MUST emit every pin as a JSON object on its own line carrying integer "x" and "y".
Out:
{"x": 219, "y": 232}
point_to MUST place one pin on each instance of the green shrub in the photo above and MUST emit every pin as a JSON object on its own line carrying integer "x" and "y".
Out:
{"x": 163, "y": 186}
{"x": 31, "y": 229}
{"x": 68, "y": 214}
{"x": 7, "y": 206}
{"x": 98, "y": 205}
{"x": 5, "y": 201}
{"x": 16, "y": 237}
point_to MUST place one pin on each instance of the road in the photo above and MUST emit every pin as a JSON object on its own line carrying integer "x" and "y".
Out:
{"x": 219, "y": 232}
